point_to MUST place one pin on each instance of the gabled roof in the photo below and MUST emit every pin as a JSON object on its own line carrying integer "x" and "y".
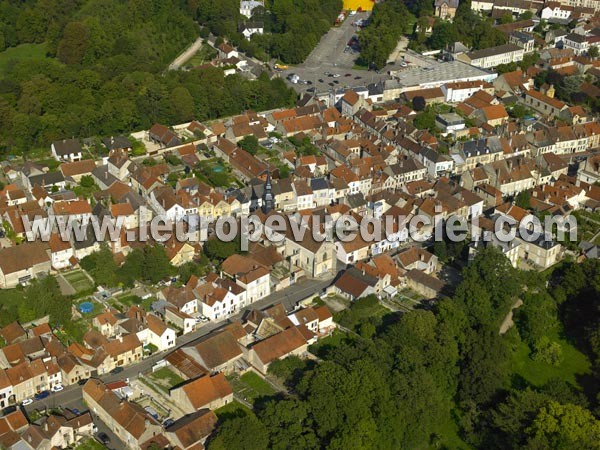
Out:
{"x": 205, "y": 390}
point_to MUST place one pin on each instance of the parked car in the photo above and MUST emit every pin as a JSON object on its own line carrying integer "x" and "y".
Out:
{"x": 26, "y": 402}
{"x": 116, "y": 370}
{"x": 103, "y": 438}
{"x": 357, "y": 77}
{"x": 167, "y": 423}
{"x": 321, "y": 80}
{"x": 9, "y": 410}
{"x": 75, "y": 411}
{"x": 336, "y": 75}
{"x": 41, "y": 395}
{"x": 57, "y": 388}
{"x": 82, "y": 381}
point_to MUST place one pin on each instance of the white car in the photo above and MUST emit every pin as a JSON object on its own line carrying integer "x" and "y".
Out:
{"x": 57, "y": 388}
{"x": 336, "y": 75}
{"x": 26, "y": 402}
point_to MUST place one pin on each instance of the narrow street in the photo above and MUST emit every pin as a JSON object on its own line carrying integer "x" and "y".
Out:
{"x": 70, "y": 397}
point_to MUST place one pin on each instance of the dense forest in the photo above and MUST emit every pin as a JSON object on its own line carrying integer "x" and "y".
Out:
{"x": 104, "y": 71}
{"x": 292, "y": 27}
{"x": 446, "y": 377}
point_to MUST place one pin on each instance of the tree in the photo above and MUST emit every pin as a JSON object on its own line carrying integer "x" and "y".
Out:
{"x": 250, "y": 144}
{"x": 425, "y": 120}
{"x": 506, "y": 18}
{"x": 240, "y": 433}
{"x": 102, "y": 267}
{"x": 440, "y": 250}
{"x": 87, "y": 181}
{"x": 220, "y": 250}
{"x": 523, "y": 200}
{"x": 45, "y": 296}
{"x": 182, "y": 103}
{"x": 563, "y": 427}
{"x": 418, "y": 103}
{"x": 156, "y": 265}
{"x": 74, "y": 44}
{"x": 547, "y": 351}
{"x": 593, "y": 52}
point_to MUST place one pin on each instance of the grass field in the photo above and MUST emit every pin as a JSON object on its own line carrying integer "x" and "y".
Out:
{"x": 90, "y": 444}
{"x": 130, "y": 300}
{"x": 250, "y": 386}
{"x": 233, "y": 409}
{"x": 78, "y": 280}
{"x": 204, "y": 55}
{"x": 166, "y": 378}
{"x": 538, "y": 373}
{"x": 23, "y": 51}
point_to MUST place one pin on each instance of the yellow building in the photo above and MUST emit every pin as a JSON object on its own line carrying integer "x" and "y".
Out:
{"x": 354, "y": 5}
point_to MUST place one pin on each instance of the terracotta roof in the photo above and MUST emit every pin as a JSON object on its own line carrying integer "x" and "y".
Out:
{"x": 82, "y": 167}
{"x": 204, "y": 390}
{"x": 217, "y": 349}
{"x": 279, "y": 345}
{"x": 24, "y": 256}
{"x": 494, "y": 112}
{"x": 194, "y": 428}
{"x": 73, "y": 207}
{"x": 12, "y": 332}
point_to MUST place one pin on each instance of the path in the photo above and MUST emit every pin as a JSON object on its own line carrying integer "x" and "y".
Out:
{"x": 187, "y": 54}
{"x": 507, "y": 323}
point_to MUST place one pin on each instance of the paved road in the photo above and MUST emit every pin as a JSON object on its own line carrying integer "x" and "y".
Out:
{"x": 187, "y": 54}
{"x": 329, "y": 56}
{"x": 70, "y": 397}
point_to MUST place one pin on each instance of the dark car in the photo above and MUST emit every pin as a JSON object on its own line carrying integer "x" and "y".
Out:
{"x": 348, "y": 75}
{"x": 336, "y": 81}
{"x": 9, "y": 410}
{"x": 321, "y": 80}
{"x": 75, "y": 411}
{"x": 117, "y": 370}
{"x": 82, "y": 382}
{"x": 103, "y": 438}
{"x": 167, "y": 423}
{"x": 357, "y": 77}
{"x": 41, "y": 395}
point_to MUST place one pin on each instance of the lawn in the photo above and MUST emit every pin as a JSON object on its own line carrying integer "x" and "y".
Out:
{"x": 130, "y": 300}
{"x": 23, "y": 51}
{"x": 166, "y": 378}
{"x": 78, "y": 280}
{"x": 90, "y": 444}
{"x": 537, "y": 373}
{"x": 98, "y": 309}
{"x": 205, "y": 54}
{"x": 233, "y": 409}
{"x": 250, "y": 386}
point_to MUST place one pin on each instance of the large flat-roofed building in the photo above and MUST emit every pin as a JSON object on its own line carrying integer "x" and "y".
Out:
{"x": 493, "y": 56}
{"x": 434, "y": 75}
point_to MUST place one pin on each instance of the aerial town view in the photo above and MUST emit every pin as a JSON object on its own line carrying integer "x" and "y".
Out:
{"x": 300, "y": 224}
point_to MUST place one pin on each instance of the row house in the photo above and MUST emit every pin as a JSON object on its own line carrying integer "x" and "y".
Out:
{"x": 511, "y": 176}
{"x": 248, "y": 274}
{"x": 493, "y": 56}
{"x": 128, "y": 421}
{"x": 31, "y": 377}
{"x": 543, "y": 104}
{"x": 460, "y": 91}
{"x": 219, "y": 298}
{"x": 156, "y": 333}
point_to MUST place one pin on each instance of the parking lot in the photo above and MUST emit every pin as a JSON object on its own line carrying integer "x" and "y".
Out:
{"x": 330, "y": 57}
